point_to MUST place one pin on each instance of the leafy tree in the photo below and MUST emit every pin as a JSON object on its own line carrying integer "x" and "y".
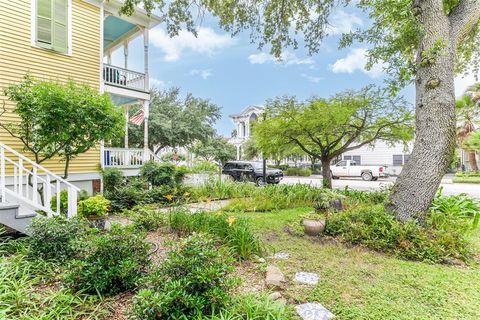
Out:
{"x": 468, "y": 111}
{"x": 473, "y": 142}
{"x": 326, "y": 128}
{"x": 250, "y": 150}
{"x": 424, "y": 42}
{"x": 214, "y": 149}
{"x": 59, "y": 119}
{"x": 176, "y": 122}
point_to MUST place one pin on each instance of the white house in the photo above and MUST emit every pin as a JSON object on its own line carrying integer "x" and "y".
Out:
{"x": 391, "y": 156}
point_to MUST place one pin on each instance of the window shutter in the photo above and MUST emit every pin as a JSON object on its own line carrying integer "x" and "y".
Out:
{"x": 44, "y": 23}
{"x": 60, "y": 25}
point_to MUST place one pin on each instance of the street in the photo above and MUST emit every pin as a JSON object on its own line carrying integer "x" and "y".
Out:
{"x": 449, "y": 188}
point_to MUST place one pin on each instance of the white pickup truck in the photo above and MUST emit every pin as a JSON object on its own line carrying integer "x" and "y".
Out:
{"x": 349, "y": 168}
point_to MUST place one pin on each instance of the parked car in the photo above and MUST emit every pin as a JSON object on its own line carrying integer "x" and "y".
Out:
{"x": 251, "y": 171}
{"x": 349, "y": 168}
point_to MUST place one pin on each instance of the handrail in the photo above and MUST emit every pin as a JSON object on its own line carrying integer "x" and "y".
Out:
{"x": 26, "y": 183}
{"x": 124, "y": 78}
{"x": 127, "y": 157}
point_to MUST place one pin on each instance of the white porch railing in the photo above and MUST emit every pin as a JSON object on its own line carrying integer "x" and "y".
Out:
{"x": 33, "y": 184}
{"x": 126, "y": 158}
{"x": 120, "y": 77}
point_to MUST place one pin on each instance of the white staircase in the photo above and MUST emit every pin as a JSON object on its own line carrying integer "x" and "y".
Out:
{"x": 27, "y": 187}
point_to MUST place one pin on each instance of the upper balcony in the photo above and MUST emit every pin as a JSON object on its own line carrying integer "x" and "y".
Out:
{"x": 125, "y": 74}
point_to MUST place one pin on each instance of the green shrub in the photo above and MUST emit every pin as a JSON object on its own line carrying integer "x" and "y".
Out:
{"x": 303, "y": 172}
{"x": 441, "y": 239}
{"x": 234, "y": 233}
{"x": 204, "y": 167}
{"x": 112, "y": 179}
{"x": 82, "y": 195}
{"x": 94, "y": 206}
{"x": 161, "y": 174}
{"x": 116, "y": 262}
{"x": 461, "y": 206}
{"x": 56, "y": 238}
{"x": 125, "y": 197}
{"x": 277, "y": 197}
{"x": 192, "y": 282}
{"x": 471, "y": 174}
{"x": 366, "y": 197}
{"x": 146, "y": 219}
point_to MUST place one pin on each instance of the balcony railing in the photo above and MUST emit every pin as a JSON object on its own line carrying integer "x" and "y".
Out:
{"x": 126, "y": 158}
{"x": 124, "y": 78}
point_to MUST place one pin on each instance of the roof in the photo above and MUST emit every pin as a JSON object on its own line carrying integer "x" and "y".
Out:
{"x": 247, "y": 110}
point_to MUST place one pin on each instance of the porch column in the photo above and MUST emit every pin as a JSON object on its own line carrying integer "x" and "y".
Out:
{"x": 146, "y": 112}
{"x": 145, "y": 57}
{"x": 126, "y": 126}
{"x": 238, "y": 152}
{"x": 125, "y": 54}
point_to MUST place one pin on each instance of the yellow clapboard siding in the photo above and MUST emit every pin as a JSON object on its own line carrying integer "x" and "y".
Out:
{"x": 18, "y": 57}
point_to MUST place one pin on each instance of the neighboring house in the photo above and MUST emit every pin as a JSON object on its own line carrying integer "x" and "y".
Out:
{"x": 243, "y": 127}
{"x": 62, "y": 40}
{"x": 394, "y": 157}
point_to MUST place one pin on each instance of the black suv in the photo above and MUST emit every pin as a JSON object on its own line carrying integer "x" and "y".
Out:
{"x": 251, "y": 171}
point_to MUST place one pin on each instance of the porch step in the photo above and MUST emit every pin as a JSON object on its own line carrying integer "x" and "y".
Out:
{"x": 10, "y": 217}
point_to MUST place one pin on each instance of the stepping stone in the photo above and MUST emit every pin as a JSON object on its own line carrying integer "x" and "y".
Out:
{"x": 281, "y": 255}
{"x": 307, "y": 278}
{"x": 275, "y": 277}
{"x": 313, "y": 311}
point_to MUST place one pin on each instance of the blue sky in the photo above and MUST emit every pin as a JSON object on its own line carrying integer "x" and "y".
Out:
{"x": 234, "y": 74}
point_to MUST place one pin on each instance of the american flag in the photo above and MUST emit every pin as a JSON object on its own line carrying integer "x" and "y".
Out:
{"x": 137, "y": 118}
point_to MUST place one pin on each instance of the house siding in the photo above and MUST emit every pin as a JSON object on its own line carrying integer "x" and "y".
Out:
{"x": 380, "y": 154}
{"x": 18, "y": 57}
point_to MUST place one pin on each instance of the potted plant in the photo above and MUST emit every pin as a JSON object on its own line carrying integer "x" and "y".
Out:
{"x": 94, "y": 209}
{"x": 314, "y": 224}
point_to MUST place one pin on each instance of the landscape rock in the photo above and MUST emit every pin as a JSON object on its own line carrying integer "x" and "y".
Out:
{"x": 275, "y": 295}
{"x": 313, "y": 311}
{"x": 281, "y": 255}
{"x": 275, "y": 277}
{"x": 307, "y": 278}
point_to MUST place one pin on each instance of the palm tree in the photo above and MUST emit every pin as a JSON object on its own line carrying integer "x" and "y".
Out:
{"x": 475, "y": 91}
{"x": 468, "y": 112}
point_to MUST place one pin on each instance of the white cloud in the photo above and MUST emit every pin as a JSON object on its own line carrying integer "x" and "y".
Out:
{"x": 156, "y": 83}
{"x": 463, "y": 82}
{"x": 356, "y": 61}
{"x": 202, "y": 73}
{"x": 343, "y": 22}
{"x": 207, "y": 42}
{"x": 311, "y": 78}
{"x": 286, "y": 58}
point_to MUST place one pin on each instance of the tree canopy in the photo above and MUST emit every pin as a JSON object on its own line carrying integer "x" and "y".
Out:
{"x": 58, "y": 119}
{"x": 175, "y": 121}
{"x": 215, "y": 148}
{"x": 326, "y": 128}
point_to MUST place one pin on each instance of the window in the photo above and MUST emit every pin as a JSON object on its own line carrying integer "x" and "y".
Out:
{"x": 357, "y": 159}
{"x": 342, "y": 164}
{"x": 400, "y": 159}
{"x": 51, "y": 24}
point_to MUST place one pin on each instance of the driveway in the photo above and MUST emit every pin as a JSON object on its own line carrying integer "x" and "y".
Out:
{"x": 449, "y": 188}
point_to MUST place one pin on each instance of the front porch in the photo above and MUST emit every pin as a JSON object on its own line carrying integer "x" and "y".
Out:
{"x": 126, "y": 158}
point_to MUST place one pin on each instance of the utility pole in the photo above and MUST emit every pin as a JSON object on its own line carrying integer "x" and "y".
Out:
{"x": 264, "y": 160}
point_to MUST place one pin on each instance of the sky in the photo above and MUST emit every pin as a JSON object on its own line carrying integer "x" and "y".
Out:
{"x": 234, "y": 74}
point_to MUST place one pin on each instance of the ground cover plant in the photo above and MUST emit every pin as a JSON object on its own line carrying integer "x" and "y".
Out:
{"x": 193, "y": 281}
{"x": 467, "y": 177}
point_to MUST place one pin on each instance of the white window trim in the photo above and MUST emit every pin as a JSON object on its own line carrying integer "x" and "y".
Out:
{"x": 33, "y": 27}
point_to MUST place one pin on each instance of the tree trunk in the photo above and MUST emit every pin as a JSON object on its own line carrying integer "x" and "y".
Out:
{"x": 472, "y": 160}
{"x": 434, "y": 145}
{"x": 326, "y": 174}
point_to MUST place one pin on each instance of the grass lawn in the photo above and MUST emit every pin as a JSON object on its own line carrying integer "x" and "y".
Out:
{"x": 466, "y": 180}
{"x": 356, "y": 283}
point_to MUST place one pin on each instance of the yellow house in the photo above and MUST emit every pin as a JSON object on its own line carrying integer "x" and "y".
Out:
{"x": 62, "y": 40}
